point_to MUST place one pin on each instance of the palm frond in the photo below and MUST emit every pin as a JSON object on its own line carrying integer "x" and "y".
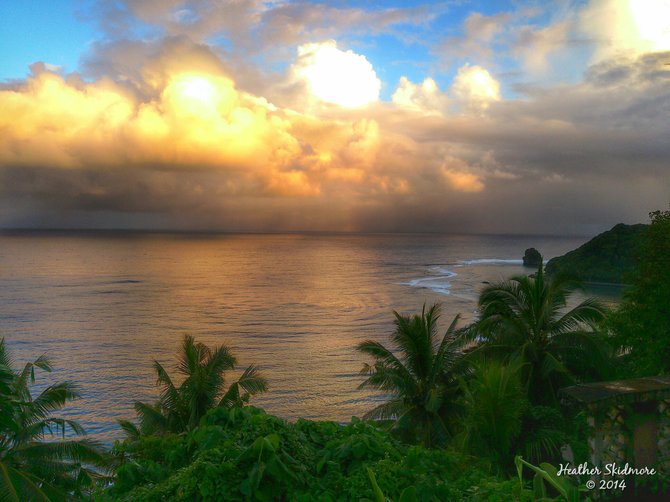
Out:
{"x": 413, "y": 337}
{"x": 189, "y": 357}
{"x": 51, "y": 426}
{"x": 391, "y": 409}
{"x": 232, "y": 397}
{"x": 252, "y": 381}
{"x": 5, "y": 358}
{"x": 589, "y": 312}
{"x": 220, "y": 360}
{"x": 132, "y": 431}
{"x": 448, "y": 351}
{"x": 8, "y": 491}
{"x": 170, "y": 397}
{"x": 17, "y": 486}
{"x": 54, "y": 397}
{"x": 152, "y": 421}
{"x": 77, "y": 450}
{"x": 388, "y": 373}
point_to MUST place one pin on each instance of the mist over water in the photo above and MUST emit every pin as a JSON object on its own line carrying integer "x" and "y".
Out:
{"x": 103, "y": 307}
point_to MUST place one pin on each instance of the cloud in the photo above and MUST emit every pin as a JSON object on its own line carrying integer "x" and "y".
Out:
{"x": 179, "y": 145}
{"x": 463, "y": 181}
{"x": 177, "y": 109}
{"x": 334, "y": 76}
{"x": 626, "y": 27}
{"x": 190, "y": 120}
{"x": 195, "y": 118}
{"x": 475, "y": 88}
{"x": 257, "y": 27}
{"x": 173, "y": 131}
{"x": 480, "y": 32}
{"x": 425, "y": 97}
{"x": 535, "y": 46}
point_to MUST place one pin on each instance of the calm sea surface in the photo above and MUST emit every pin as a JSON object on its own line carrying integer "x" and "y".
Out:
{"x": 104, "y": 307}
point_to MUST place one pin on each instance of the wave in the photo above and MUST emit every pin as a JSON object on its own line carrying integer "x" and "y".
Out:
{"x": 492, "y": 261}
{"x": 439, "y": 280}
{"x": 440, "y": 284}
{"x": 495, "y": 261}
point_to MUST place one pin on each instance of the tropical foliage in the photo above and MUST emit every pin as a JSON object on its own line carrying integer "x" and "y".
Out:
{"x": 202, "y": 388}
{"x": 41, "y": 457}
{"x": 607, "y": 258}
{"x": 546, "y": 476}
{"x": 421, "y": 379}
{"x": 246, "y": 454}
{"x": 642, "y": 322}
{"x": 494, "y": 402}
{"x": 527, "y": 318}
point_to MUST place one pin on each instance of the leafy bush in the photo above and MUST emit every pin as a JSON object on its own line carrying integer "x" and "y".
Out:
{"x": 247, "y": 454}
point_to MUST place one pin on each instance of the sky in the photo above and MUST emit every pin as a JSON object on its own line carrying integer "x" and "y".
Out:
{"x": 526, "y": 117}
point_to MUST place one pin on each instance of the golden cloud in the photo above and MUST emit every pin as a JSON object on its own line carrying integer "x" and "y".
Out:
{"x": 180, "y": 116}
{"x": 476, "y": 88}
{"x": 425, "y": 97}
{"x": 331, "y": 75}
{"x": 464, "y": 181}
{"x": 195, "y": 120}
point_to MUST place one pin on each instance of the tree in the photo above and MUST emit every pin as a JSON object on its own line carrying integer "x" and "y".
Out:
{"x": 527, "y": 317}
{"x": 642, "y": 322}
{"x": 37, "y": 462}
{"x": 181, "y": 407}
{"x": 422, "y": 379}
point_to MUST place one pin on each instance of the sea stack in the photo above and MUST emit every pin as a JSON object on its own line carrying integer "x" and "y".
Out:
{"x": 532, "y": 258}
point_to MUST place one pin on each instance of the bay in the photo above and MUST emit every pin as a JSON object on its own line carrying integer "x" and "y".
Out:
{"x": 103, "y": 306}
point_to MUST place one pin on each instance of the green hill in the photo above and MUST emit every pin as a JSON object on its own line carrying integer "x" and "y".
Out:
{"x": 608, "y": 257}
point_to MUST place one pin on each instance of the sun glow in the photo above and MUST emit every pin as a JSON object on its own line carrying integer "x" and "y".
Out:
{"x": 652, "y": 20}
{"x": 200, "y": 95}
{"x": 476, "y": 87}
{"x": 627, "y": 26}
{"x": 334, "y": 76}
{"x": 197, "y": 89}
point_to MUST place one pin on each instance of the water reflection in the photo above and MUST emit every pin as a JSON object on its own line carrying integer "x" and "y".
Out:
{"x": 104, "y": 307}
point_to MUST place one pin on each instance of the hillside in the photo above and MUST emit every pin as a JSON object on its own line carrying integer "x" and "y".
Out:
{"x": 608, "y": 257}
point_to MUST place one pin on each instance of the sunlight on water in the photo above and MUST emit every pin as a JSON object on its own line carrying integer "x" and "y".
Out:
{"x": 104, "y": 307}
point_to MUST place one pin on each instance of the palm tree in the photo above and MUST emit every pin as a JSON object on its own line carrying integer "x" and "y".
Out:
{"x": 527, "y": 317}
{"x": 421, "y": 379}
{"x": 37, "y": 462}
{"x": 203, "y": 370}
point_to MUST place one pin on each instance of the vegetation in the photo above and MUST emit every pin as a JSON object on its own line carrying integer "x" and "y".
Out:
{"x": 525, "y": 318}
{"x": 422, "y": 380}
{"x": 547, "y": 474}
{"x": 180, "y": 408}
{"x": 642, "y": 322}
{"x": 244, "y": 453}
{"x": 37, "y": 461}
{"x": 494, "y": 402}
{"x": 608, "y": 257}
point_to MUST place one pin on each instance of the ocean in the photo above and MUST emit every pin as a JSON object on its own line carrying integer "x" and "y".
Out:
{"x": 103, "y": 306}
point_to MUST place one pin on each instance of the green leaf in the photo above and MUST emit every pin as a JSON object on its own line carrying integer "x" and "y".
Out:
{"x": 408, "y": 495}
{"x": 379, "y": 495}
